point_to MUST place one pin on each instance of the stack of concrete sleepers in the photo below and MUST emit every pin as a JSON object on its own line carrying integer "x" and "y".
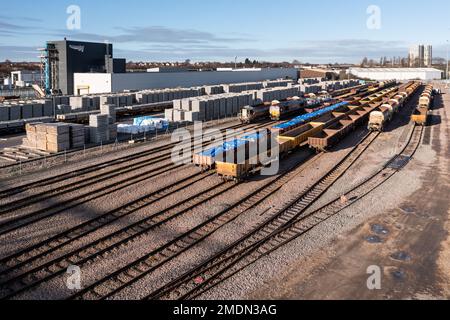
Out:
{"x": 277, "y": 83}
{"x": 15, "y": 111}
{"x": 27, "y": 110}
{"x": 120, "y": 100}
{"x": 240, "y": 87}
{"x": 80, "y": 103}
{"x": 269, "y": 95}
{"x": 209, "y": 108}
{"x": 4, "y": 113}
{"x": 77, "y": 136}
{"x": 110, "y": 110}
{"x": 61, "y": 100}
{"x": 163, "y": 95}
{"x": 211, "y": 90}
{"x": 307, "y": 89}
{"x": 98, "y": 128}
{"x": 58, "y": 137}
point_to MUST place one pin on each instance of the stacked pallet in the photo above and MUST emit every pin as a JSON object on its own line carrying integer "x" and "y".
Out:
{"x": 110, "y": 111}
{"x": 120, "y": 100}
{"x": 163, "y": 95}
{"x": 209, "y": 107}
{"x": 77, "y": 136}
{"x": 58, "y": 137}
{"x": 211, "y": 90}
{"x": 269, "y": 95}
{"x": 84, "y": 103}
{"x": 29, "y": 109}
{"x": 61, "y": 100}
{"x": 241, "y": 87}
{"x": 278, "y": 83}
{"x": 98, "y": 128}
{"x": 4, "y": 113}
{"x": 50, "y": 137}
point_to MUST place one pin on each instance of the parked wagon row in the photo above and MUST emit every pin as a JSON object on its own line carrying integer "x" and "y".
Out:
{"x": 347, "y": 122}
{"x": 320, "y": 129}
{"x": 420, "y": 115}
{"x": 379, "y": 118}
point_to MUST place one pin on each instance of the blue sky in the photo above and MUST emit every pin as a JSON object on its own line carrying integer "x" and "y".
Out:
{"x": 219, "y": 30}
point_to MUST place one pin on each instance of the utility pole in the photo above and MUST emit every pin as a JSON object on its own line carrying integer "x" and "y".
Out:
{"x": 446, "y": 75}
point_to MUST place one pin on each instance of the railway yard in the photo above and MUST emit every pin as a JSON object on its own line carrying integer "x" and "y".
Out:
{"x": 362, "y": 179}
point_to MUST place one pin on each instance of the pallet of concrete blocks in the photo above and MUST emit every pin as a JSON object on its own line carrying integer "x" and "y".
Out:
{"x": 15, "y": 112}
{"x": 77, "y": 138}
{"x": 168, "y": 115}
{"x": 126, "y": 100}
{"x": 26, "y": 110}
{"x": 212, "y": 90}
{"x": 63, "y": 109}
{"x": 47, "y": 107}
{"x": 98, "y": 125}
{"x": 110, "y": 99}
{"x": 199, "y": 106}
{"x": 110, "y": 110}
{"x": 4, "y": 113}
{"x": 240, "y": 87}
{"x": 38, "y": 109}
{"x": 112, "y": 132}
{"x": 61, "y": 100}
{"x": 277, "y": 83}
{"x": 80, "y": 103}
{"x": 178, "y": 115}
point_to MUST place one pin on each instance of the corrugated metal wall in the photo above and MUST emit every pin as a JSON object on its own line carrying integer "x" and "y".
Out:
{"x": 141, "y": 81}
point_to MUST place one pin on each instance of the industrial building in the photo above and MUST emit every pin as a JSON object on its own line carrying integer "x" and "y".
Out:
{"x": 400, "y": 74}
{"x": 65, "y": 58}
{"x": 89, "y": 83}
{"x": 23, "y": 78}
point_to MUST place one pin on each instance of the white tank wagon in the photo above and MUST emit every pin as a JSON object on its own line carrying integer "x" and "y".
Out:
{"x": 378, "y": 119}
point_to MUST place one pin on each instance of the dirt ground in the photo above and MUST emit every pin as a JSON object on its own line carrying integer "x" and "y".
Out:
{"x": 412, "y": 242}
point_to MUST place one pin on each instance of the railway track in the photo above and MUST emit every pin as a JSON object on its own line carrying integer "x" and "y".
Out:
{"x": 100, "y": 166}
{"x": 25, "y": 219}
{"x": 128, "y": 275}
{"x": 19, "y": 276}
{"x": 240, "y": 255}
{"x": 150, "y": 262}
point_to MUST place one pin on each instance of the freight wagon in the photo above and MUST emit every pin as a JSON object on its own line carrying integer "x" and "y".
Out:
{"x": 300, "y": 120}
{"x": 420, "y": 115}
{"x": 257, "y": 154}
{"x": 379, "y": 118}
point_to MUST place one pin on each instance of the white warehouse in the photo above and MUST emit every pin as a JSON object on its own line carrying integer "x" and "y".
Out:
{"x": 89, "y": 83}
{"x": 381, "y": 74}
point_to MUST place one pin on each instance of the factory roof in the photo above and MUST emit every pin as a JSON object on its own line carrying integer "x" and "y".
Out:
{"x": 396, "y": 70}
